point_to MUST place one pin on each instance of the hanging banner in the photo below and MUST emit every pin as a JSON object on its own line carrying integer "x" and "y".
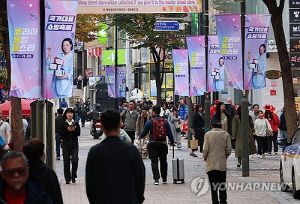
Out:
{"x": 181, "y": 72}
{"x": 102, "y": 33}
{"x": 216, "y": 67}
{"x": 256, "y": 40}
{"x": 110, "y": 80}
{"x": 229, "y": 35}
{"x": 196, "y": 51}
{"x": 25, "y": 48}
{"x": 153, "y": 90}
{"x": 121, "y": 82}
{"x": 60, "y": 24}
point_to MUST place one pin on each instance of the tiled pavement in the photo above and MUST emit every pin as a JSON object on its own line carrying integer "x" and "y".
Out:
{"x": 265, "y": 170}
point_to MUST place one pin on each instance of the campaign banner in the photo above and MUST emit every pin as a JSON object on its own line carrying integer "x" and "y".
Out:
{"x": 256, "y": 40}
{"x": 25, "y": 48}
{"x": 121, "y": 82}
{"x": 229, "y": 35}
{"x": 216, "y": 68}
{"x": 181, "y": 71}
{"x": 110, "y": 80}
{"x": 60, "y": 24}
{"x": 196, "y": 51}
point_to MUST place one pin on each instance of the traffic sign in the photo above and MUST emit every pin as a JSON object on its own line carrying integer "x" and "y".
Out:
{"x": 167, "y": 26}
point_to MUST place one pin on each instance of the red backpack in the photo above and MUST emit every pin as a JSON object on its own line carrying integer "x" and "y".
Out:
{"x": 159, "y": 129}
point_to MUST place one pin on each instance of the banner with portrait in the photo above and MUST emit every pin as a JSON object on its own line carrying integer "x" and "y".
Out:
{"x": 60, "y": 24}
{"x": 196, "y": 51}
{"x": 121, "y": 82}
{"x": 256, "y": 40}
{"x": 110, "y": 80}
{"x": 181, "y": 72}
{"x": 25, "y": 48}
{"x": 229, "y": 35}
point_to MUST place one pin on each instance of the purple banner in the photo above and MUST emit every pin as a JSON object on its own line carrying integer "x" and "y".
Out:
{"x": 25, "y": 46}
{"x": 60, "y": 24}
{"x": 229, "y": 35}
{"x": 256, "y": 40}
{"x": 121, "y": 82}
{"x": 216, "y": 68}
{"x": 110, "y": 80}
{"x": 181, "y": 72}
{"x": 196, "y": 51}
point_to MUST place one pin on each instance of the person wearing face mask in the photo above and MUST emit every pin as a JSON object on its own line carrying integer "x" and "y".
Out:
{"x": 70, "y": 130}
{"x": 34, "y": 152}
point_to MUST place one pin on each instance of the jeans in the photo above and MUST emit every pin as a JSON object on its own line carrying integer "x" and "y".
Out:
{"x": 158, "y": 151}
{"x": 273, "y": 140}
{"x": 57, "y": 142}
{"x": 77, "y": 118}
{"x": 82, "y": 120}
{"x": 262, "y": 143}
{"x": 217, "y": 180}
{"x": 70, "y": 151}
{"x": 131, "y": 134}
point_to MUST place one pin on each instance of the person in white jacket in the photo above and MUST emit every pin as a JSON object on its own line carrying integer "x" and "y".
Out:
{"x": 261, "y": 125}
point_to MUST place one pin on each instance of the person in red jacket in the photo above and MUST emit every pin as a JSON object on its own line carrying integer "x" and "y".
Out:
{"x": 213, "y": 108}
{"x": 274, "y": 122}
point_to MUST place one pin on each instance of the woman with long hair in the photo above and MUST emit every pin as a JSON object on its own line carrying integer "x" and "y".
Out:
{"x": 221, "y": 116}
{"x": 70, "y": 130}
{"x": 174, "y": 121}
{"x": 198, "y": 127}
{"x": 274, "y": 122}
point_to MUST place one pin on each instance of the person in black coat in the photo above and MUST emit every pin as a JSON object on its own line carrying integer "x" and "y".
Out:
{"x": 198, "y": 126}
{"x": 70, "y": 130}
{"x": 34, "y": 151}
{"x": 115, "y": 172}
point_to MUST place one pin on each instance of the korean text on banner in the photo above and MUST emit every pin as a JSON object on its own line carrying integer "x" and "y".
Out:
{"x": 181, "y": 72}
{"x": 216, "y": 67}
{"x": 60, "y": 24}
{"x": 256, "y": 39}
{"x": 110, "y": 80}
{"x": 24, "y": 34}
{"x": 196, "y": 50}
{"x": 121, "y": 82}
{"x": 229, "y": 35}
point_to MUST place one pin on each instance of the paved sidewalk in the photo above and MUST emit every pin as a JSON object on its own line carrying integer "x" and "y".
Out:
{"x": 261, "y": 170}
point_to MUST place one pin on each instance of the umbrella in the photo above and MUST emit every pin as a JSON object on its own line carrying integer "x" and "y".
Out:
{"x": 6, "y": 107}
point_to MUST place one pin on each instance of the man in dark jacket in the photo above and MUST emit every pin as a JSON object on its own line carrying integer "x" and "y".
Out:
{"x": 230, "y": 109}
{"x": 16, "y": 186}
{"x": 58, "y": 121}
{"x": 114, "y": 163}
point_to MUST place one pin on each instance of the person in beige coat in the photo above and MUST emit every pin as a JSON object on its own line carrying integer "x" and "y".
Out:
{"x": 140, "y": 122}
{"x": 216, "y": 150}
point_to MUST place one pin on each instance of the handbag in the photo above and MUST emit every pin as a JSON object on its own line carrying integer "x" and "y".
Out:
{"x": 269, "y": 133}
{"x": 194, "y": 144}
{"x": 177, "y": 127}
{"x": 185, "y": 127}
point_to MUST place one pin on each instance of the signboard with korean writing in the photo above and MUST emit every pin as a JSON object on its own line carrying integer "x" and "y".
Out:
{"x": 295, "y": 15}
{"x": 295, "y": 60}
{"x": 139, "y": 6}
{"x": 294, "y": 30}
{"x": 295, "y": 45}
{"x": 181, "y": 72}
{"x": 167, "y": 26}
{"x": 25, "y": 48}
{"x": 60, "y": 24}
{"x": 294, "y": 3}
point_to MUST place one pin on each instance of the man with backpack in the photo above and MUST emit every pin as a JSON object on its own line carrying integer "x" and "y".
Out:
{"x": 63, "y": 104}
{"x": 159, "y": 130}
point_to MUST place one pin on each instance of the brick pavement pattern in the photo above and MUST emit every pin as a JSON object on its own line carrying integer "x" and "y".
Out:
{"x": 261, "y": 170}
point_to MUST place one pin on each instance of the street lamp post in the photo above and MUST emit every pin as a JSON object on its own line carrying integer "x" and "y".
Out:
{"x": 207, "y": 95}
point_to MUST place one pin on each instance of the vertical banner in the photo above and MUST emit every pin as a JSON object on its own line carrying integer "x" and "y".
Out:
{"x": 110, "y": 80}
{"x": 196, "y": 51}
{"x": 25, "y": 46}
{"x": 256, "y": 40}
{"x": 229, "y": 35}
{"x": 216, "y": 70}
{"x": 121, "y": 82}
{"x": 181, "y": 72}
{"x": 153, "y": 90}
{"x": 60, "y": 24}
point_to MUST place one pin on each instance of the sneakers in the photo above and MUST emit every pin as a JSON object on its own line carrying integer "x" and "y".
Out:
{"x": 58, "y": 158}
{"x": 193, "y": 155}
{"x": 164, "y": 181}
{"x": 262, "y": 156}
{"x": 276, "y": 152}
{"x": 259, "y": 156}
{"x": 238, "y": 165}
{"x": 156, "y": 182}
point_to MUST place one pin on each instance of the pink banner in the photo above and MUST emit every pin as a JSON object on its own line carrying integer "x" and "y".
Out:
{"x": 181, "y": 72}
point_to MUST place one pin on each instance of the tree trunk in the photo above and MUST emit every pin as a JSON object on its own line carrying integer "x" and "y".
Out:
{"x": 156, "y": 58}
{"x": 16, "y": 108}
{"x": 287, "y": 80}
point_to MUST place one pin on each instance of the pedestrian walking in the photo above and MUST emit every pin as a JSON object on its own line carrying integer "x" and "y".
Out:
{"x": 182, "y": 110}
{"x": 261, "y": 126}
{"x": 15, "y": 184}
{"x": 70, "y": 130}
{"x": 114, "y": 163}
{"x": 129, "y": 118}
{"x": 216, "y": 150}
{"x": 5, "y": 134}
{"x": 213, "y": 108}
{"x": 34, "y": 152}
{"x": 140, "y": 123}
{"x": 175, "y": 125}
{"x": 198, "y": 127}
{"x": 221, "y": 116}
{"x": 282, "y": 127}
{"x": 77, "y": 112}
{"x": 230, "y": 109}
{"x": 58, "y": 124}
{"x": 164, "y": 113}
{"x": 158, "y": 149}
{"x": 83, "y": 114}
{"x": 274, "y": 122}
{"x": 63, "y": 104}
{"x": 238, "y": 137}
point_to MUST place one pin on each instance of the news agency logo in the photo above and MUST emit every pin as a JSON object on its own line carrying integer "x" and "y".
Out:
{"x": 199, "y": 186}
